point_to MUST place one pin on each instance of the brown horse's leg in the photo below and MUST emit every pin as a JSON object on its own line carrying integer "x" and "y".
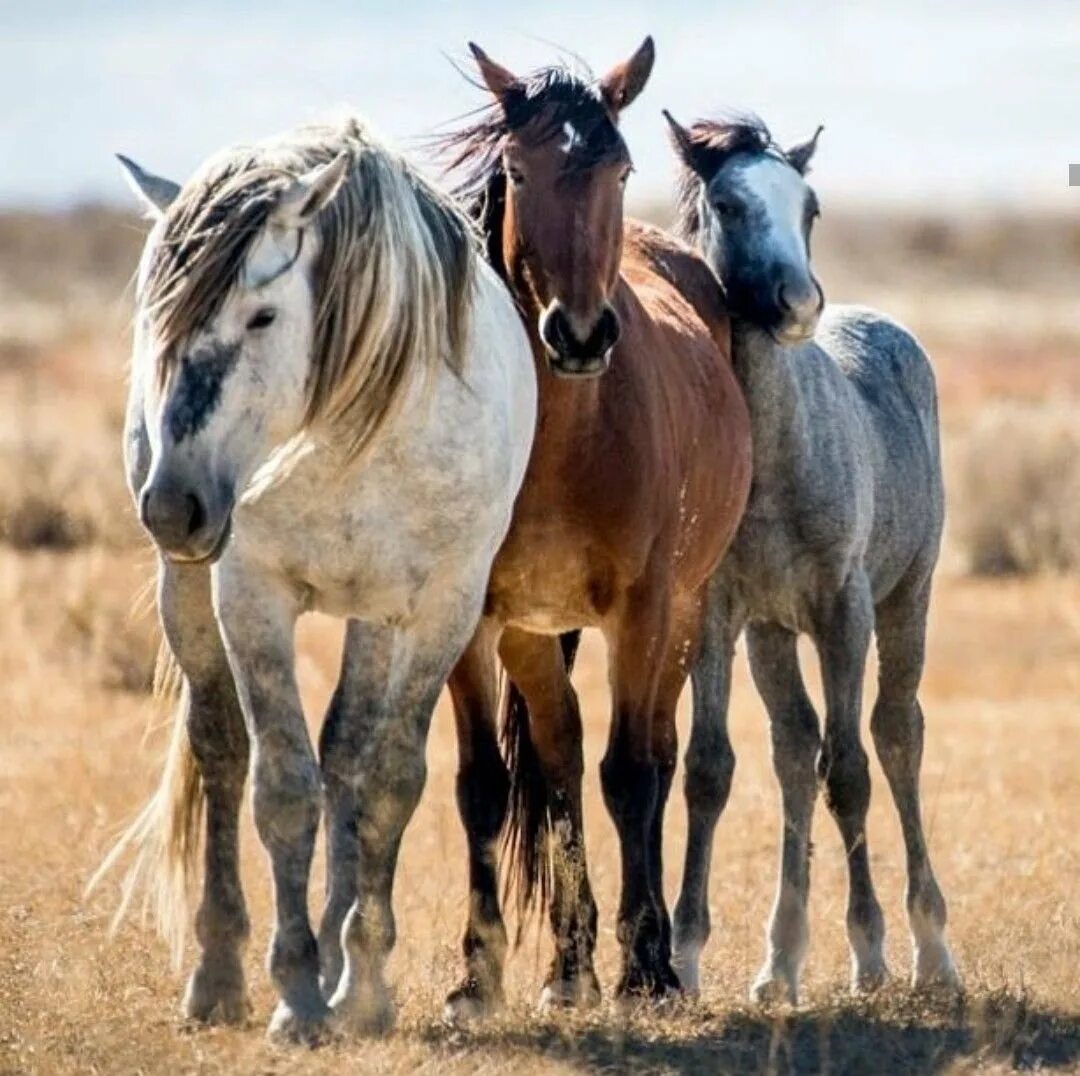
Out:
{"x": 679, "y": 659}
{"x": 535, "y": 663}
{"x": 897, "y": 727}
{"x": 631, "y": 785}
{"x": 482, "y": 789}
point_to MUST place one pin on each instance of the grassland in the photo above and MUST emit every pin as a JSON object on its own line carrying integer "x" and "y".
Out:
{"x": 80, "y": 743}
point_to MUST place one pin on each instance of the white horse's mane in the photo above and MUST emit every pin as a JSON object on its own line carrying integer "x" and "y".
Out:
{"x": 392, "y": 283}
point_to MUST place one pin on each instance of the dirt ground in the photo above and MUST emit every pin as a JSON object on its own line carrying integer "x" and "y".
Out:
{"x": 1001, "y": 797}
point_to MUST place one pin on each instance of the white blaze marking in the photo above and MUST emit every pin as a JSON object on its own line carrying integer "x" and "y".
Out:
{"x": 572, "y": 137}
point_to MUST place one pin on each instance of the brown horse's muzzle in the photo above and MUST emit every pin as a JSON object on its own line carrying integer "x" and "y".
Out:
{"x": 568, "y": 354}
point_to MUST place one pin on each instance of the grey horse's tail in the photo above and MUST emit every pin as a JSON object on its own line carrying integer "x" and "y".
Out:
{"x": 526, "y": 848}
{"x": 164, "y": 837}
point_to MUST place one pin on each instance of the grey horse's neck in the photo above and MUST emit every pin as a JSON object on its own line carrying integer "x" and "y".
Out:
{"x": 769, "y": 382}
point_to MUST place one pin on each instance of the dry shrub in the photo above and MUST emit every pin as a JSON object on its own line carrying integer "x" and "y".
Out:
{"x": 61, "y": 497}
{"x": 1016, "y": 489}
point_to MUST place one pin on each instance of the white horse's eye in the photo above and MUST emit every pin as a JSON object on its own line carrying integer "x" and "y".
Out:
{"x": 262, "y": 318}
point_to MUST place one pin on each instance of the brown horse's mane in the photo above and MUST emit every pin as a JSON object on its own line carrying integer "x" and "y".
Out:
{"x": 544, "y": 101}
{"x": 710, "y": 145}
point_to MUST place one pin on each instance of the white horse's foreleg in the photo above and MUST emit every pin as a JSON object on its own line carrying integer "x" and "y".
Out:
{"x": 383, "y": 762}
{"x": 358, "y": 705}
{"x": 796, "y": 742}
{"x": 257, "y": 616}
{"x": 219, "y": 744}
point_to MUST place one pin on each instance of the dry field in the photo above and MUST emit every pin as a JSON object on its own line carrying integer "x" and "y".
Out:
{"x": 80, "y": 742}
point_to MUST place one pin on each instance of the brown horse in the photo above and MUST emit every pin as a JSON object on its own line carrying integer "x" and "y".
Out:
{"x": 637, "y": 481}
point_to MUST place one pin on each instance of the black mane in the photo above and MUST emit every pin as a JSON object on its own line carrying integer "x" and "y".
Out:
{"x": 710, "y": 144}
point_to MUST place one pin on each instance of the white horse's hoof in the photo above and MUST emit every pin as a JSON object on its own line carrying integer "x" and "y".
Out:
{"x": 216, "y": 998}
{"x": 309, "y": 1027}
{"x": 368, "y": 1013}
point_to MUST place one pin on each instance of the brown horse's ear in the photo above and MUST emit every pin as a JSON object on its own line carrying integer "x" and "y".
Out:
{"x": 626, "y": 80}
{"x": 799, "y": 156}
{"x": 496, "y": 77}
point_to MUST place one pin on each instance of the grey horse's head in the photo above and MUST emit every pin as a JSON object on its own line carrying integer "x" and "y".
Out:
{"x": 745, "y": 203}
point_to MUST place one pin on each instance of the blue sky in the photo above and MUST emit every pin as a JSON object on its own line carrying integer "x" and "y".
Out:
{"x": 965, "y": 103}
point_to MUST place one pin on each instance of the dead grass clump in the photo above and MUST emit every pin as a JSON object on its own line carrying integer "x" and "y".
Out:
{"x": 1016, "y": 489}
{"x": 56, "y": 499}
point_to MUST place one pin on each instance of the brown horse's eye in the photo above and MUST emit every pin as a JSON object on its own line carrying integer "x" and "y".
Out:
{"x": 262, "y": 318}
{"x": 515, "y": 176}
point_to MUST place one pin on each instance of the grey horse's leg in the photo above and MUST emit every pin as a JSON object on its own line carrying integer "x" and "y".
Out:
{"x": 710, "y": 763}
{"x": 219, "y": 743}
{"x": 358, "y": 703}
{"x": 796, "y": 742}
{"x": 258, "y": 617}
{"x": 897, "y": 727}
{"x": 384, "y": 764}
{"x": 843, "y": 637}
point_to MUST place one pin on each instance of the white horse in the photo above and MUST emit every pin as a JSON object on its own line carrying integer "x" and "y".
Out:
{"x": 332, "y": 405}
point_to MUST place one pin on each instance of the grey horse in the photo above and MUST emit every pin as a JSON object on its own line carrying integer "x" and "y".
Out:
{"x": 840, "y": 539}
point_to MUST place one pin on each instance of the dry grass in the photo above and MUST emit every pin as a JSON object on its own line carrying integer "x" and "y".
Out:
{"x": 1016, "y": 489}
{"x": 76, "y": 760}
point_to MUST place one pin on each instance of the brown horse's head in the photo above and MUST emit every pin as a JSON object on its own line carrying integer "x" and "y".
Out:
{"x": 558, "y": 169}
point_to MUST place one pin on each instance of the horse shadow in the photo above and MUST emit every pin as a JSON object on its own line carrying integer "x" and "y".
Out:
{"x": 902, "y": 1038}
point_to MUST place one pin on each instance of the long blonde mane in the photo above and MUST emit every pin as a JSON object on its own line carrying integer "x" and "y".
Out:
{"x": 392, "y": 284}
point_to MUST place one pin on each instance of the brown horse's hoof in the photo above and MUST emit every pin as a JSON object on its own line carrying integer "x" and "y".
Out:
{"x": 581, "y": 991}
{"x": 216, "y": 996}
{"x": 652, "y": 985}
{"x": 471, "y": 1002}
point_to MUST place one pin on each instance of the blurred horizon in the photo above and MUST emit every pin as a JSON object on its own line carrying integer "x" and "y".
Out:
{"x": 965, "y": 106}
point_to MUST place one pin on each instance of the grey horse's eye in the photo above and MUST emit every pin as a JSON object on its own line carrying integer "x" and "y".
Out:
{"x": 261, "y": 318}
{"x": 724, "y": 207}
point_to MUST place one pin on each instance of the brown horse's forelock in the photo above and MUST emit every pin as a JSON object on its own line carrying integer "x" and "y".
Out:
{"x": 364, "y": 352}
{"x": 541, "y": 104}
{"x": 712, "y": 143}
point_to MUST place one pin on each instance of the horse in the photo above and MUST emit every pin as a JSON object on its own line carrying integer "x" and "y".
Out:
{"x": 331, "y": 408}
{"x": 637, "y": 479}
{"x": 840, "y": 539}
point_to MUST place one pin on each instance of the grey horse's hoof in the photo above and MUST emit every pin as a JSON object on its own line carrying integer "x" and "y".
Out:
{"x": 869, "y": 979}
{"x": 774, "y": 986}
{"x": 936, "y": 972}
{"x": 579, "y": 992}
{"x": 367, "y": 1012}
{"x": 470, "y": 1002}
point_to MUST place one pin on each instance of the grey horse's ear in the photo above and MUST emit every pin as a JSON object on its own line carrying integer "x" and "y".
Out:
{"x": 300, "y": 202}
{"x": 680, "y": 139}
{"x": 155, "y": 192}
{"x": 799, "y": 156}
{"x": 625, "y": 81}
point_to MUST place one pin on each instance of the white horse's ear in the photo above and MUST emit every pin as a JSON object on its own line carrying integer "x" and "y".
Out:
{"x": 299, "y": 203}
{"x": 799, "y": 156}
{"x": 155, "y": 192}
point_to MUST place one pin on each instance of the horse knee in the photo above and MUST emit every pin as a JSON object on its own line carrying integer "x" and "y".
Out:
{"x": 216, "y": 731}
{"x": 483, "y": 790}
{"x": 630, "y": 788}
{"x": 897, "y": 729}
{"x": 287, "y": 795}
{"x": 845, "y": 773}
{"x": 707, "y": 780}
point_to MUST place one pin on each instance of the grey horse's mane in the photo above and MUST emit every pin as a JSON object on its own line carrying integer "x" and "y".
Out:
{"x": 710, "y": 145}
{"x": 392, "y": 284}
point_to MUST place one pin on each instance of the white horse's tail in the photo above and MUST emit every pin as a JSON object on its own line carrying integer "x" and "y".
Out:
{"x": 165, "y": 836}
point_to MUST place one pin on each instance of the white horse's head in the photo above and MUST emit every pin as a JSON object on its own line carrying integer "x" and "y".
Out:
{"x": 747, "y": 206}
{"x": 278, "y": 287}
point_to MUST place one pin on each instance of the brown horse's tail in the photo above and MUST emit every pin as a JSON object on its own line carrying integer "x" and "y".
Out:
{"x": 528, "y": 820}
{"x": 164, "y": 838}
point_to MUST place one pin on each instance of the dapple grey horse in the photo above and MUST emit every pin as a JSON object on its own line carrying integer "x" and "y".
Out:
{"x": 332, "y": 406}
{"x": 840, "y": 540}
